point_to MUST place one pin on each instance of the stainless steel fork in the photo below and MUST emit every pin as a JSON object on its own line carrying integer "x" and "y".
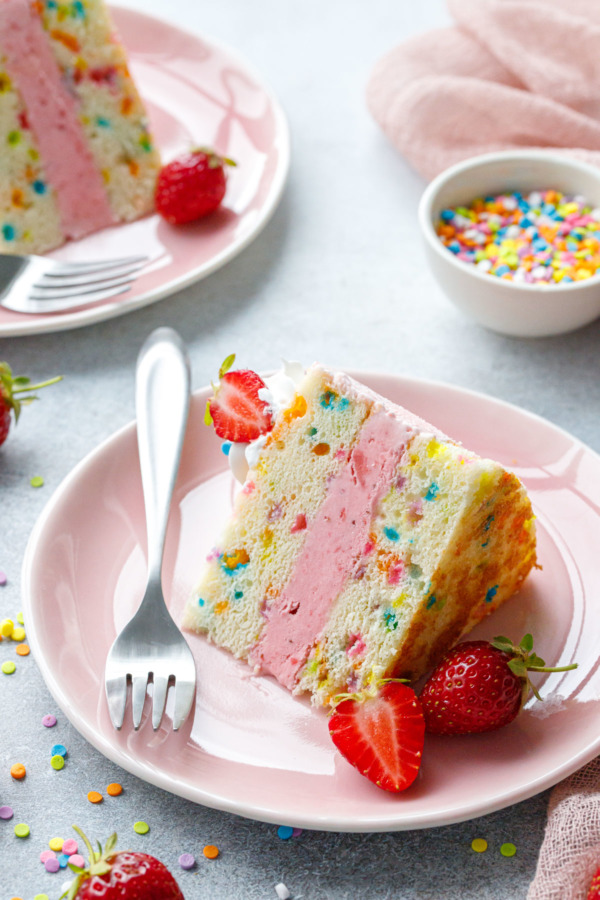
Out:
{"x": 151, "y": 648}
{"x": 36, "y": 284}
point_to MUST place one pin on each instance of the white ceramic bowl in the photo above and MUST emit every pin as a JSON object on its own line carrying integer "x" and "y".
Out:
{"x": 518, "y": 309}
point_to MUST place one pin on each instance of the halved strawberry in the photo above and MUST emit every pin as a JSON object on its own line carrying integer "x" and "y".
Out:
{"x": 236, "y": 411}
{"x": 381, "y": 732}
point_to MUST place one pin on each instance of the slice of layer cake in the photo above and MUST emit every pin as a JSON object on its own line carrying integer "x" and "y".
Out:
{"x": 77, "y": 154}
{"x": 363, "y": 544}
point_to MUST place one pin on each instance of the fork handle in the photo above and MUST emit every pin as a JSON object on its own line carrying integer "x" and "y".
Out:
{"x": 162, "y": 398}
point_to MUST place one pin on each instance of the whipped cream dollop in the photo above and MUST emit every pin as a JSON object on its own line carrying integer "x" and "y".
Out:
{"x": 278, "y": 393}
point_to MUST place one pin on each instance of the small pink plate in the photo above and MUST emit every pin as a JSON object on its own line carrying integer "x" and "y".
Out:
{"x": 197, "y": 93}
{"x": 253, "y": 749}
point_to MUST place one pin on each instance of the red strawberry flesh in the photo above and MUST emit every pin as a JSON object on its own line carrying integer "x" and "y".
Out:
{"x": 382, "y": 735}
{"x": 238, "y": 413}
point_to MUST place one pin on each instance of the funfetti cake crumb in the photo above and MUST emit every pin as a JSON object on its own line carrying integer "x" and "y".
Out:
{"x": 363, "y": 544}
{"x": 78, "y": 155}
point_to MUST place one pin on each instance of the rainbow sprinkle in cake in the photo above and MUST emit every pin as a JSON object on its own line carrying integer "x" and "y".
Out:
{"x": 363, "y": 544}
{"x": 76, "y": 152}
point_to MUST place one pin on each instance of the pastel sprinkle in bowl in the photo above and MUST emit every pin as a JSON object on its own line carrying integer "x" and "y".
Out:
{"x": 514, "y": 308}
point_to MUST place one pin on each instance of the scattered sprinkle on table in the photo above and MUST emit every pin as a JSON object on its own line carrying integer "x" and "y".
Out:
{"x": 70, "y": 846}
{"x": 3, "y": 578}
{"x": 6, "y": 627}
{"x": 52, "y": 864}
{"x": 22, "y": 830}
{"x": 93, "y": 796}
{"x": 23, "y": 650}
{"x": 285, "y": 832}
{"x": 8, "y": 667}
{"x": 141, "y": 828}
{"x": 296, "y": 832}
{"x": 6, "y": 812}
{"x": 18, "y": 633}
{"x": 49, "y": 721}
{"x": 59, "y": 750}
{"x": 187, "y": 861}
{"x": 114, "y": 789}
{"x": 37, "y": 481}
{"x": 20, "y": 618}
{"x": 63, "y": 860}
{"x": 41, "y": 897}
{"x": 56, "y": 843}
{"x": 508, "y": 849}
{"x": 210, "y": 851}
{"x": 47, "y": 854}
{"x": 18, "y": 771}
{"x": 479, "y": 845}
{"x": 282, "y": 891}
{"x": 544, "y": 237}
{"x": 57, "y": 762}
{"x": 77, "y": 860}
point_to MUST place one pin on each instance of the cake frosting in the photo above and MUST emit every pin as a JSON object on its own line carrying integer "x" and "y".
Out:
{"x": 78, "y": 155}
{"x": 363, "y": 543}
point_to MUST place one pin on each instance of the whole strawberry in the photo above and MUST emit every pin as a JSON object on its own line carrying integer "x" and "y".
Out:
{"x": 191, "y": 186}
{"x": 381, "y": 732}
{"x": 121, "y": 875}
{"x": 594, "y": 891}
{"x": 11, "y": 400}
{"x": 481, "y": 686}
{"x": 236, "y": 410}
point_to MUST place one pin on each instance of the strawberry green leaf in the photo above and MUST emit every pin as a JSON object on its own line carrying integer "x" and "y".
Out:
{"x": 208, "y": 419}
{"x": 502, "y": 643}
{"x": 110, "y": 844}
{"x": 527, "y": 643}
{"x": 227, "y": 364}
{"x": 518, "y": 667}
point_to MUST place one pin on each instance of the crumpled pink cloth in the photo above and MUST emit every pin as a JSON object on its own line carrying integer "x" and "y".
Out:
{"x": 511, "y": 74}
{"x": 570, "y": 853}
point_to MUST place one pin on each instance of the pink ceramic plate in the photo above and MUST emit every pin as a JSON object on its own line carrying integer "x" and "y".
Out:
{"x": 197, "y": 93}
{"x": 251, "y": 747}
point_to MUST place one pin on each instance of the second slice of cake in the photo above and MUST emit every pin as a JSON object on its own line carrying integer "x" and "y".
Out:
{"x": 363, "y": 544}
{"x": 77, "y": 155}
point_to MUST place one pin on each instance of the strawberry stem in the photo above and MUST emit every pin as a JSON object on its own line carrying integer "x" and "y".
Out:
{"x": 523, "y": 660}
{"x": 36, "y": 387}
{"x": 86, "y": 841}
{"x": 552, "y": 668}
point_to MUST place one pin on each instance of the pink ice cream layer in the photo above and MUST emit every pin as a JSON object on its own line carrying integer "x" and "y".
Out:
{"x": 335, "y": 541}
{"x": 52, "y": 115}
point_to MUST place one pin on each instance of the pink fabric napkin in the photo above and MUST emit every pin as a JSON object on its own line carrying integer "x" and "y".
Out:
{"x": 570, "y": 853}
{"x": 511, "y": 74}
